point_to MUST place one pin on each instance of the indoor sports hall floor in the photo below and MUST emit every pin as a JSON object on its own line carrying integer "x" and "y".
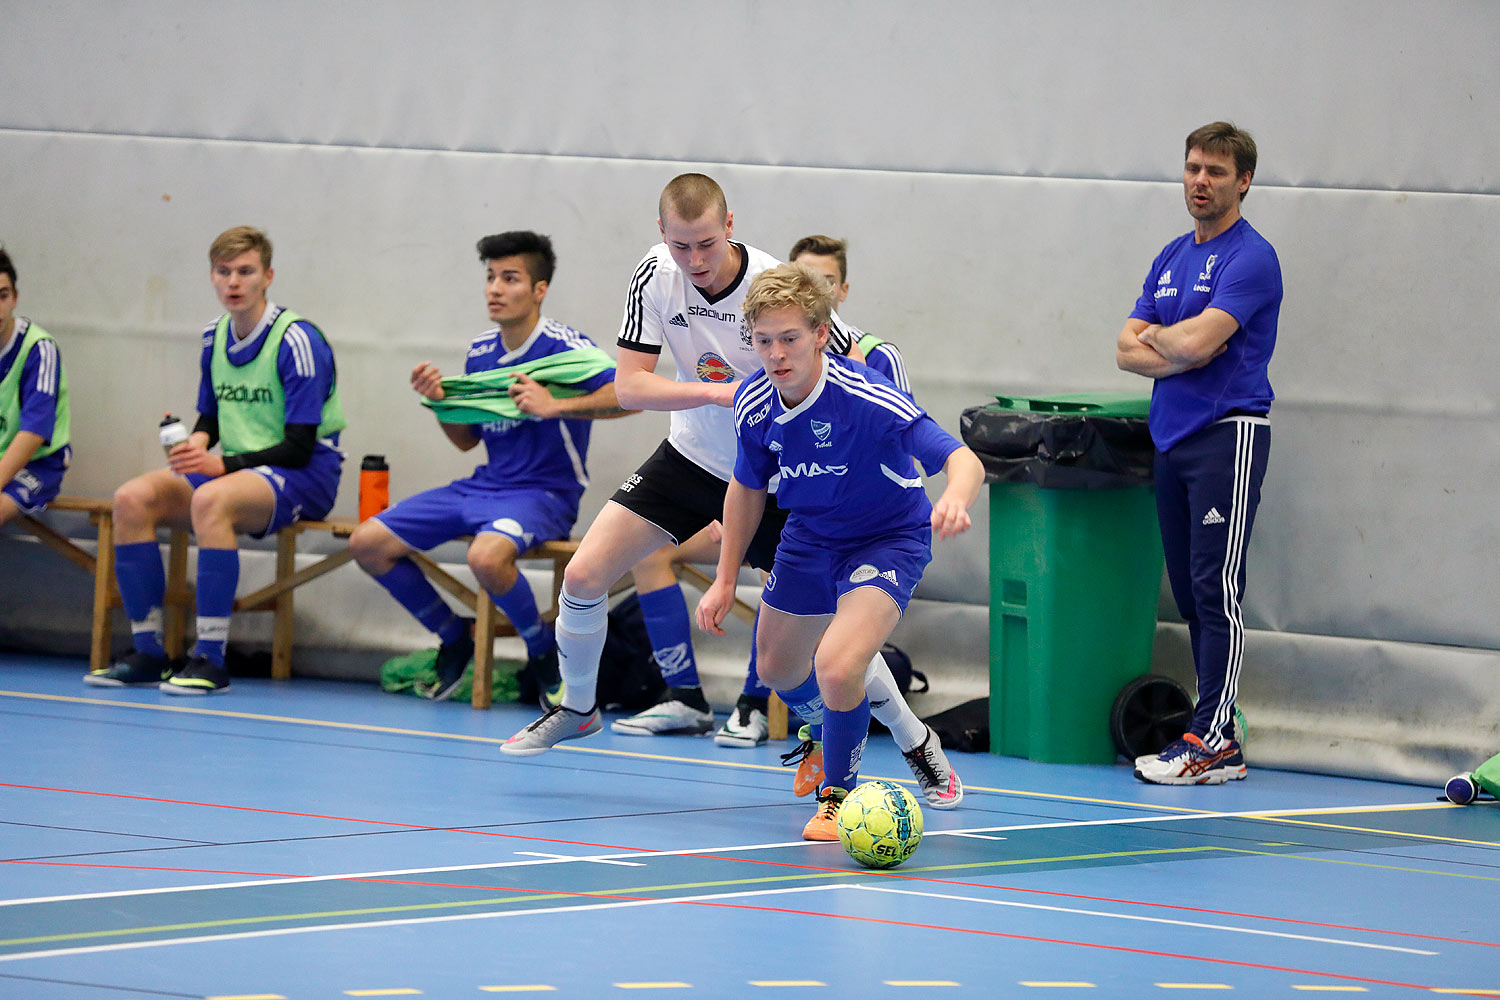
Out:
{"x": 322, "y": 839}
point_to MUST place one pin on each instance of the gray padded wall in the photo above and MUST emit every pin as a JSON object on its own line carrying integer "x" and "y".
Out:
{"x": 1004, "y": 173}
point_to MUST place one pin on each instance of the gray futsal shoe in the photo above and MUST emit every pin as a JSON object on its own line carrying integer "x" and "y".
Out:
{"x": 672, "y": 717}
{"x": 935, "y": 776}
{"x": 551, "y": 729}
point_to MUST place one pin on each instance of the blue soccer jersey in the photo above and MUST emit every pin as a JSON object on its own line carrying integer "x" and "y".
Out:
{"x": 845, "y": 453}
{"x": 304, "y": 362}
{"x": 523, "y": 452}
{"x": 1238, "y": 272}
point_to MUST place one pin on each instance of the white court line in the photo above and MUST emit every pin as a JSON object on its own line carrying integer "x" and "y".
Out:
{"x": 409, "y": 921}
{"x": 573, "y": 857}
{"x": 1149, "y": 920}
{"x": 597, "y": 858}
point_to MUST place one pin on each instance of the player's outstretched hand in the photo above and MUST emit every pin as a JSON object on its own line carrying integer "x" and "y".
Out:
{"x": 428, "y": 381}
{"x": 950, "y": 517}
{"x": 531, "y": 397}
{"x": 714, "y": 605}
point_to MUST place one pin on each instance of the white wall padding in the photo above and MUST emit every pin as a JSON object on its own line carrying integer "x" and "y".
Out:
{"x": 1005, "y": 173}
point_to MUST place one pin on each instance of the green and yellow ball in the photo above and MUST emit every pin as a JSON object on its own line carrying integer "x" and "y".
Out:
{"x": 880, "y": 824}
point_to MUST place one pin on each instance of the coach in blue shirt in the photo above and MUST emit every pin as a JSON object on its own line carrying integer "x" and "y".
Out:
{"x": 1203, "y": 331}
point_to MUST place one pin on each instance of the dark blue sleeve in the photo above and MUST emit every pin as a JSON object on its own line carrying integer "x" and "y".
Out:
{"x": 40, "y": 376}
{"x": 208, "y": 403}
{"x": 754, "y": 464}
{"x": 931, "y": 445}
{"x": 305, "y": 364}
{"x": 1250, "y": 282}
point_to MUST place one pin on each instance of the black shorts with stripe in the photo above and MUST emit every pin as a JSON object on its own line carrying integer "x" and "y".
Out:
{"x": 681, "y": 497}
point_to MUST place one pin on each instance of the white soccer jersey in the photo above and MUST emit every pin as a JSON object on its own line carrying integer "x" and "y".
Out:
{"x": 709, "y": 342}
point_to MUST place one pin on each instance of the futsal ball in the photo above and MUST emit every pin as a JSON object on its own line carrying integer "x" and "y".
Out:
{"x": 880, "y": 824}
{"x": 1461, "y": 789}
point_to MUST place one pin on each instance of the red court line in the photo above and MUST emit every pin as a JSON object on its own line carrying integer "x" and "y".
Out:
{"x": 708, "y": 857}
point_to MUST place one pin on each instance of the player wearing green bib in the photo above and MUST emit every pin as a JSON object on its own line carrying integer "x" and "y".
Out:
{"x": 34, "y": 449}
{"x": 268, "y": 396}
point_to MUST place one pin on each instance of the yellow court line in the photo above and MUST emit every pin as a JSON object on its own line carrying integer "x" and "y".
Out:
{"x": 741, "y": 765}
{"x": 603, "y": 896}
{"x": 1272, "y": 817}
{"x": 1470, "y": 992}
{"x": 1195, "y": 986}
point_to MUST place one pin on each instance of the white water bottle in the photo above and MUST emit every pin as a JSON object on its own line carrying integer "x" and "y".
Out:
{"x": 173, "y": 432}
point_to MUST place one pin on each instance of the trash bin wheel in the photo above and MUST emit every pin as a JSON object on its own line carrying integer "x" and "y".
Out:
{"x": 1149, "y": 713}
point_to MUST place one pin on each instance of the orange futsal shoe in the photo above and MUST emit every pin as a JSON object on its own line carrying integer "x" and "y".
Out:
{"x": 824, "y": 824}
{"x": 808, "y": 756}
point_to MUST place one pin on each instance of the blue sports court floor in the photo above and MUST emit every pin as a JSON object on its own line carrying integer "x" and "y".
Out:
{"x": 318, "y": 839}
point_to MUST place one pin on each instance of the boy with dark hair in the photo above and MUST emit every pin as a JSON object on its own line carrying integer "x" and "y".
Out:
{"x": 527, "y": 491}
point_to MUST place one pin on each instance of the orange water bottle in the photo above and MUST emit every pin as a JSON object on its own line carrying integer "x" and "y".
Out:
{"x": 374, "y": 486}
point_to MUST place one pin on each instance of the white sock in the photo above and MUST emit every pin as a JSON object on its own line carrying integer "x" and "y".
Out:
{"x": 581, "y": 630}
{"x": 887, "y": 705}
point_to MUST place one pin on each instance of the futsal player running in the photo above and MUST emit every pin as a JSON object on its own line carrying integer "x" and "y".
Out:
{"x": 859, "y": 525}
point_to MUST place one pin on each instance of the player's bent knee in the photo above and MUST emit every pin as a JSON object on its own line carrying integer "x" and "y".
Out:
{"x": 375, "y": 549}
{"x": 584, "y": 580}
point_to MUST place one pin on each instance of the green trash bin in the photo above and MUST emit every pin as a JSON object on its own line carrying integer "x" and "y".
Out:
{"x": 1075, "y": 568}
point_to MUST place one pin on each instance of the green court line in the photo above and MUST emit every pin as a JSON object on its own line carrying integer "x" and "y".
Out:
{"x": 1358, "y": 864}
{"x": 601, "y": 895}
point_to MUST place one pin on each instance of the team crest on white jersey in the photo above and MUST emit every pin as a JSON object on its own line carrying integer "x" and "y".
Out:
{"x": 712, "y": 368}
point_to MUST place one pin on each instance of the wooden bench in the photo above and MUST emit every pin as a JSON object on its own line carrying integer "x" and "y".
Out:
{"x": 277, "y": 596}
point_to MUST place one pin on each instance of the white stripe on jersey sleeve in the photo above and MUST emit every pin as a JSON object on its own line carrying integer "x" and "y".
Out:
{"x": 46, "y": 369}
{"x": 302, "y": 356}
{"x": 898, "y": 365}
{"x": 635, "y": 303}
{"x": 887, "y": 396}
{"x": 756, "y": 393}
{"x": 899, "y": 479}
{"x": 575, "y": 339}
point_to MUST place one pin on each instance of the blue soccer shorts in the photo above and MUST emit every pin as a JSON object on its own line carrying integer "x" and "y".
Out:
{"x": 527, "y": 516}
{"x": 39, "y": 482}
{"x": 304, "y": 494}
{"x": 812, "y": 574}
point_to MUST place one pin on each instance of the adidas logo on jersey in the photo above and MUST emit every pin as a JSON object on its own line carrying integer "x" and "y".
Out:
{"x": 678, "y": 320}
{"x": 890, "y": 575}
{"x": 1166, "y": 277}
{"x": 1213, "y": 516}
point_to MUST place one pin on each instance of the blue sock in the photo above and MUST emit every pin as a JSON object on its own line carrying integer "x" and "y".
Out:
{"x": 218, "y": 576}
{"x": 671, "y": 633}
{"x": 411, "y": 590}
{"x": 805, "y": 700}
{"x": 844, "y": 736}
{"x": 754, "y": 686}
{"x": 519, "y": 605}
{"x": 143, "y": 584}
